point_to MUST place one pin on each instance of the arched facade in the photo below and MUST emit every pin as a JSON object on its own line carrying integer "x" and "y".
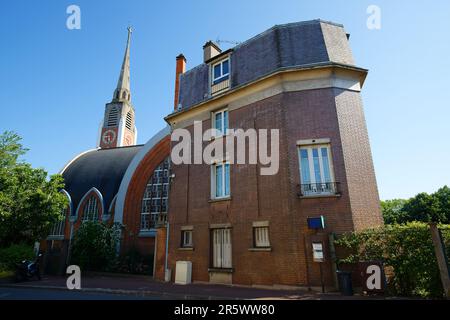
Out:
{"x": 109, "y": 185}
{"x": 136, "y": 237}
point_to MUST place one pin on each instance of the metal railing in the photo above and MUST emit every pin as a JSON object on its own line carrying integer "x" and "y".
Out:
{"x": 317, "y": 189}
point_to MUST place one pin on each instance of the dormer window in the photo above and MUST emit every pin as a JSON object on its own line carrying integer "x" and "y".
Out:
{"x": 221, "y": 71}
{"x": 220, "y": 76}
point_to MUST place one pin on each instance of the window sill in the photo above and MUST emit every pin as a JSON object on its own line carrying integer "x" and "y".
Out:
{"x": 314, "y": 196}
{"x": 268, "y": 249}
{"x": 219, "y": 199}
{"x": 221, "y": 270}
{"x": 186, "y": 249}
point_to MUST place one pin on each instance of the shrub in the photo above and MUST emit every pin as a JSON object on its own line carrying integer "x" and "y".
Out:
{"x": 94, "y": 246}
{"x": 408, "y": 249}
{"x": 134, "y": 262}
{"x": 13, "y": 254}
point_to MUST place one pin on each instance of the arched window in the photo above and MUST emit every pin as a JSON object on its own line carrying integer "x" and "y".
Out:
{"x": 124, "y": 95}
{"x": 90, "y": 212}
{"x": 129, "y": 120}
{"x": 156, "y": 197}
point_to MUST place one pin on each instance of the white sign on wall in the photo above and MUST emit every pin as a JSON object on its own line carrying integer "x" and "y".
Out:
{"x": 317, "y": 252}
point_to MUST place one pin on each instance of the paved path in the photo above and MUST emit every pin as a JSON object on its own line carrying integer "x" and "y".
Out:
{"x": 48, "y": 294}
{"x": 144, "y": 286}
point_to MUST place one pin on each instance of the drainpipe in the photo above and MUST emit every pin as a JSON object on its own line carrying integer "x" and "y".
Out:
{"x": 167, "y": 250}
{"x": 70, "y": 243}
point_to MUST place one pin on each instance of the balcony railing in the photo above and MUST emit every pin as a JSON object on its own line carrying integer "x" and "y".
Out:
{"x": 220, "y": 86}
{"x": 319, "y": 189}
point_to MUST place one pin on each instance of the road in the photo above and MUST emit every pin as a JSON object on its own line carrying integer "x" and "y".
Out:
{"x": 47, "y": 294}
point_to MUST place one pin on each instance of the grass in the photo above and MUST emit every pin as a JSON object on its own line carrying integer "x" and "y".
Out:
{"x": 6, "y": 274}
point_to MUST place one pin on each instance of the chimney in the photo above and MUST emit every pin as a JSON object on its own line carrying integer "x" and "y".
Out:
{"x": 210, "y": 50}
{"x": 180, "y": 69}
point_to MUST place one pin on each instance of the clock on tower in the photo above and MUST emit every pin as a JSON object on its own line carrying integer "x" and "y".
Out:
{"x": 109, "y": 137}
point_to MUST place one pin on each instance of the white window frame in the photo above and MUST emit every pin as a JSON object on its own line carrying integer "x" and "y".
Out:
{"x": 222, "y": 75}
{"x": 224, "y": 126}
{"x": 312, "y": 174}
{"x": 187, "y": 241}
{"x": 222, "y": 248}
{"x": 213, "y": 180}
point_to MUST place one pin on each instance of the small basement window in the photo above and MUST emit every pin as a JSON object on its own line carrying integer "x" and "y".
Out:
{"x": 261, "y": 237}
{"x": 186, "y": 238}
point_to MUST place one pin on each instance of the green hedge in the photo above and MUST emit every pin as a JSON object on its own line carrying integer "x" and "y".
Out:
{"x": 14, "y": 254}
{"x": 408, "y": 249}
{"x": 94, "y": 246}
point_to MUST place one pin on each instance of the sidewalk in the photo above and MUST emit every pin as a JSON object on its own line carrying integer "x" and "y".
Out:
{"x": 145, "y": 286}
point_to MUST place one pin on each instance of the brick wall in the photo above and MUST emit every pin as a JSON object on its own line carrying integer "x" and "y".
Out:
{"x": 160, "y": 254}
{"x": 361, "y": 180}
{"x": 299, "y": 115}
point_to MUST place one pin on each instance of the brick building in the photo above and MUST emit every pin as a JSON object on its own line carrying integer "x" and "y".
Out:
{"x": 234, "y": 224}
{"x": 301, "y": 79}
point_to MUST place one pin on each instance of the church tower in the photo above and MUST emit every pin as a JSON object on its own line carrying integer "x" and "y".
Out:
{"x": 118, "y": 128}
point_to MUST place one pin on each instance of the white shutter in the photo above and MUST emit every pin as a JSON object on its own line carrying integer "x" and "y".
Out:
{"x": 262, "y": 237}
{"x": 217, "y": 252}
{"x": 227, "y": 248}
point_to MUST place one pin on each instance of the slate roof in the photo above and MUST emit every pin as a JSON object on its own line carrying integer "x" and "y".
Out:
{"x": 296, "y": 44}
{"x": 102, "y": 169}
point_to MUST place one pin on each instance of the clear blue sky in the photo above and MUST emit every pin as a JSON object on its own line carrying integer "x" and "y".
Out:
{"x": 55, "y": 82}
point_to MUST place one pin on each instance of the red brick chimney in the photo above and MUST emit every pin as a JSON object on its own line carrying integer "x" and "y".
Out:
{"x": 180, "y": 69}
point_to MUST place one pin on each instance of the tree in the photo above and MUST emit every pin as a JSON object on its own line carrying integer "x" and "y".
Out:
{"x": 423, "y": 207}
{"x": 30, "y": 203}
{"x": 442, "y": 197}
{"x": 393, "y": 211}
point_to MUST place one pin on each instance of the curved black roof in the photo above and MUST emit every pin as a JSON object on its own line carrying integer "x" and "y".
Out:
{"x": 102, "y": 169}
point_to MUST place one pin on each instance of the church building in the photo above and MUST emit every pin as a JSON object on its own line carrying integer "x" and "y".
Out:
{"x": 229, "y": 222}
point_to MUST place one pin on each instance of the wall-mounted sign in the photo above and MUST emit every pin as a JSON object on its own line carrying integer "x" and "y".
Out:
{"x": 318, "y": 252}
{"x": 316, "y": 223}
{"x": 372, "y": 276}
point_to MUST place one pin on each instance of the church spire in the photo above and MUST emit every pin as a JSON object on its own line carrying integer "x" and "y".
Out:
{"x": 122, "y": 92}
{"x": 118, "y": 128}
